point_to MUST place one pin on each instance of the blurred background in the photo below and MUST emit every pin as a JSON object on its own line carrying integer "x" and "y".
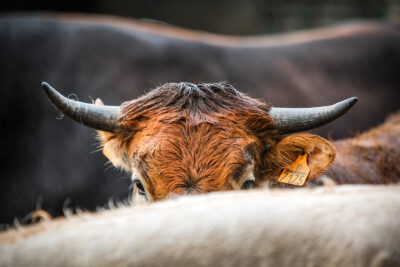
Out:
{"x": 240, "y": 17}
{"x": 52, "y": 164}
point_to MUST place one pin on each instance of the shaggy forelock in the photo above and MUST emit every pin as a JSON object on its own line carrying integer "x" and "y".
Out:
{"x": 195, "y": 99}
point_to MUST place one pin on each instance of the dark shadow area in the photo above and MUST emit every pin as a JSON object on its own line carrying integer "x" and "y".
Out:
{"x": 241, "y": 17}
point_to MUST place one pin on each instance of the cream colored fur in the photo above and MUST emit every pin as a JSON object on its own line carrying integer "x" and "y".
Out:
{"x": 328, "y": 226}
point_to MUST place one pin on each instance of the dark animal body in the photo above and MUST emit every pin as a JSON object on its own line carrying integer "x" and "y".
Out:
{"x": 45, "y": 161}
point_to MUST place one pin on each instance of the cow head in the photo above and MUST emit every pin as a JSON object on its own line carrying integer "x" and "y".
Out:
{"x": 184, "y": 138}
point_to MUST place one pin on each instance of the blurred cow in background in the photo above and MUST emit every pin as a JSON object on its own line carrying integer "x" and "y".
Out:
{"x": 372, "y": 157}
{"x": 43, "y": 162}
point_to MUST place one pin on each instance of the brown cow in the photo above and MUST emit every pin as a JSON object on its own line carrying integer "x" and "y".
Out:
{"x": 372, "y": 157}
{"x": 189, "y": 138}
{"x": 118, "y": 59}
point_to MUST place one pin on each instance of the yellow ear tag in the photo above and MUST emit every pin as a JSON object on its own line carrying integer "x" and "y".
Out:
{"x": 296, "y": 173}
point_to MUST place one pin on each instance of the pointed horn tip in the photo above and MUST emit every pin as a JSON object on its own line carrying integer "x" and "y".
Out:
{"x": 48, "y": 89}
{"x": 352, "y": 100}
{"x": 349, "y": 102}
{"x": 46, "y": 86}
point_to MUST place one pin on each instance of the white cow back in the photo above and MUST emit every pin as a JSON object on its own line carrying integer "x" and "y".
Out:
{"x": 335, "y": 226}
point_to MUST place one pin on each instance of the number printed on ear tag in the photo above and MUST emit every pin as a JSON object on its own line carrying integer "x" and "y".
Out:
{"x": 296, "y": 173}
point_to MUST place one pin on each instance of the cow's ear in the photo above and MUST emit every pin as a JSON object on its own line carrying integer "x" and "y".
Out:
{"x": 320, "y": 154}
{"x": 112, "y": 148}
{"x": 113, "y": 151}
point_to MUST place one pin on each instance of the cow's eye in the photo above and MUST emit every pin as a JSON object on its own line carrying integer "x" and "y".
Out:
{"x": 140, "y": 187}
{"x": 248, "y": 184}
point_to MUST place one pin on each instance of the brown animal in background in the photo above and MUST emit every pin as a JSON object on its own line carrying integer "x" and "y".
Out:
{"x": 185, "y": 138}
{"x": 372, "y": 157}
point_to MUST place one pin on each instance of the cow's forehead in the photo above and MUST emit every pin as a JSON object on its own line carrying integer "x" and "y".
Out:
{"x": 187, "y": 136}
{"x": 154, "y": 117}
{"x": 185, "y": 158}
{"x": 165, "y": 132}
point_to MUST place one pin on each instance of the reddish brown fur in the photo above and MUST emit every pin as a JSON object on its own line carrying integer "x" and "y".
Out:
{"x": 372, "y": 157}
{"x": 187, "y": 138}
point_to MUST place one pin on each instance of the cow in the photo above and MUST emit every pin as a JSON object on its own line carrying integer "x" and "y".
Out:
{"x": 372, "y": 157}
{"x": 348, "y": 225}
{"x": 43, "y": 163}
{"x": 185, "y": 138}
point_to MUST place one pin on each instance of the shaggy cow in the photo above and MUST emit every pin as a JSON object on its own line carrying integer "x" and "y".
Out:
{"x": 335, "y": 226}
{"x": 185, "y": 138}
{"x": 120, "y": 58}
{"x": 372, "y": 157}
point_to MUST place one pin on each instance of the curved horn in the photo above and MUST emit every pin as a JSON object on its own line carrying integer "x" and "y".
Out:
{"x": 95, "y": 116}
{"x": 291, "y": 120}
